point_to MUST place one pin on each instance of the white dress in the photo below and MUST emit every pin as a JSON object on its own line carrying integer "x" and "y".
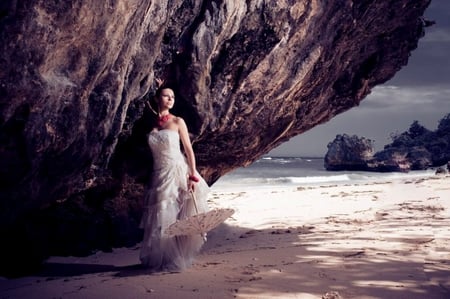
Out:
{"x": 167, "y": 199}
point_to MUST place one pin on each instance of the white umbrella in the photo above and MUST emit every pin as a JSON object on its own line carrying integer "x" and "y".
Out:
{"x": 199, "y": 223}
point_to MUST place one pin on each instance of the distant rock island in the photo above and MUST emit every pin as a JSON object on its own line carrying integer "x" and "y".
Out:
{"x": 416, "y": 149}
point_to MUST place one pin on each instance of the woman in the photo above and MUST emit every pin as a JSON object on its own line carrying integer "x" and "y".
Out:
{"x": 168, "y": 198}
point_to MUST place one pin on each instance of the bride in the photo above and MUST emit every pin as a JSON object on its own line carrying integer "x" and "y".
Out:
{"x": 168, "y": 197}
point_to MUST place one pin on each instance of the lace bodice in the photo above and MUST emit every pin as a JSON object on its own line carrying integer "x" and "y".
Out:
{"x": 165, "y": 147}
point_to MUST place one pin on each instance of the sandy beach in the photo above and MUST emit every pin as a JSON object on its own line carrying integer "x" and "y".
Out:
{"x": 378, "y": 239}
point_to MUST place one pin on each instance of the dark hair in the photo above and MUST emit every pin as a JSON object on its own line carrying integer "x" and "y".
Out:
{"x": 160, "y": 89}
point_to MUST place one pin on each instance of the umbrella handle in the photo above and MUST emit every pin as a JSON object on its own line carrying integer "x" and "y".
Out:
{"x": 203, "y": 235}
{"x": 194, "y": 200}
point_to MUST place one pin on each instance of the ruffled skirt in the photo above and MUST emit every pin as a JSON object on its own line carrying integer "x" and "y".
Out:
{"x": 167, "y": 200}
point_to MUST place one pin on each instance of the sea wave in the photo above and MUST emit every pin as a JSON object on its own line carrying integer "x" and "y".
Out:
{"x": 283, "y": 160}
{"x": 271, "y": 172}
{"x": 240, "y": 183}
{"x": 260, "y": 182}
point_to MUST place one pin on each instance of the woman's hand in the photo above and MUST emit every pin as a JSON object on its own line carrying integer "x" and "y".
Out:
{"x": 159, "y": 82}
{"x": 192, "y": 180}
{"x": 191, "y": 185}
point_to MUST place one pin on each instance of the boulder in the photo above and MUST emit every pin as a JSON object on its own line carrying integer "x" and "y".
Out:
{"x": 390, "y": 160}
{"x": 348, "y": 153}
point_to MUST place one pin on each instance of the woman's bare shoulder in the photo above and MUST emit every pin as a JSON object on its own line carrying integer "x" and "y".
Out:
{"x": 178, "y": 120}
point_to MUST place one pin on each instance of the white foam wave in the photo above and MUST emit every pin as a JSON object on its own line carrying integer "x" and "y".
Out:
{"x": 261, "y": 182}
{"x": 351, "y": 177}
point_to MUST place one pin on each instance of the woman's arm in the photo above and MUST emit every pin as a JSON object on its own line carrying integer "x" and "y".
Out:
{"x": 186, "y": 141}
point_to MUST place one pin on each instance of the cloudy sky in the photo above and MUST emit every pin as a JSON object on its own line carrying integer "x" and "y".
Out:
{"x": 419, "y": 91}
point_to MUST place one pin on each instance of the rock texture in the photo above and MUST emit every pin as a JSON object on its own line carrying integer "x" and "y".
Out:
{"x": 416, "y": 149}
{"x": 348, "y": 153}
{"x": 248, "y": 76}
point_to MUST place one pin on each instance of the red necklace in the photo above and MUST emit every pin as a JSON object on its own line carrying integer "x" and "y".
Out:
{"x": 163, "y": 119}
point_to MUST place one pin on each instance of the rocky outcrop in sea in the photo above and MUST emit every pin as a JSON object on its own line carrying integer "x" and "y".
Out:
{"x": 416, "y": 149}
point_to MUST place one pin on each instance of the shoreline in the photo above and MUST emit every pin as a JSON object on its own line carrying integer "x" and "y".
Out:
{"x": 378, "y": 239}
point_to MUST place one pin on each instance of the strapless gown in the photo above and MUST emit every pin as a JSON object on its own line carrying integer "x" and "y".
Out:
{"x": 167, "y": 199}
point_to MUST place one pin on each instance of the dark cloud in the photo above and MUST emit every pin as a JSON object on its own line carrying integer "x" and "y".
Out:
{"x": 429, "y": 63}
{"x": 381, "y": 114}
{"x": 439, "y": 11}
{"x": 420, "y": 91}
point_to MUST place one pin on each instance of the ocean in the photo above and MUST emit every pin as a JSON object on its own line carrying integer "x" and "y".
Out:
{"x": 270, "y": 172}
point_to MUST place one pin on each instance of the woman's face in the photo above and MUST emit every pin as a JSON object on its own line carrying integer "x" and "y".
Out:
{"x": 166, "y": 99}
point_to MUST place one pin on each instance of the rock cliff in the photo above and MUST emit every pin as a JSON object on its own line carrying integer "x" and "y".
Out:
{"x": 248, "y": 76}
